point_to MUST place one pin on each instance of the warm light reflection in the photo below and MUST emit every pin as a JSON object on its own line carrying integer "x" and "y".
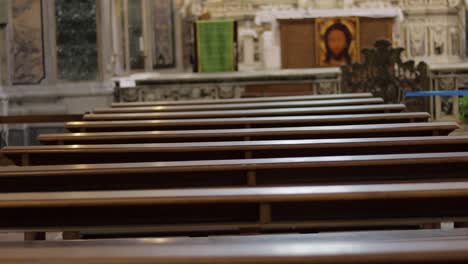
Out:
{"x": 156, "y": 240}
{"x": 302, "y": 248}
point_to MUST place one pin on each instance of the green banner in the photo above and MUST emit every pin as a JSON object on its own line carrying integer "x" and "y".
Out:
{"x": 215, "y": 46}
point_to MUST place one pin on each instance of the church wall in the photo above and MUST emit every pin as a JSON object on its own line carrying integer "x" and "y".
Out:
{"x": 299, "y": 44}
{"x": 31, "y": 69}
{"x": 433, "y": 30}
{"x": 27, "y": 49}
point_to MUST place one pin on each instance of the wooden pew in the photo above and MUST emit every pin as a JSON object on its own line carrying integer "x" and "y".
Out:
{"x": 240, "y": 106}
{"x": 377, "y": 130}
{"x": 370, "y": 236}
{"x": 239, "y": 210}
{"x": 327, "y": 110}
{"x": 91, "y": 154}
{"x": 245, "y": 122}
{"x": 238, "y": 172}
{"x": 246, "y": 100}
{"x": 30, "y": 119}
{"x": 279, "y": 249}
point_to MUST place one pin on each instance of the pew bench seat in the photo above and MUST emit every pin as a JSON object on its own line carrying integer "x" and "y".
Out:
{"x": 301, "y": 249}
{"x": 219, "y": 107}
{"x": 246, "y": 100}
{"x": 328, "y": 170}
{"x": 126, "y": 153}
{"x": 238, "y": 210}
{"x": 326, "y": 110}
{"x": 277, "y": 133}
{"x": 246, "y": 122}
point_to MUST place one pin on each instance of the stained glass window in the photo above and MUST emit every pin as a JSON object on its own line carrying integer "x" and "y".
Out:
{"x": 163, "y": 26}
{"x": 135, "y": 35}
{"x": 76, "y": 40}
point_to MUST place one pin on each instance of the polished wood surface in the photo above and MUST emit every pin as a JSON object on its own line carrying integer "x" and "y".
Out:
{"x": 246, "y": 100}
{"x": 233, "y": 175}
{"x": 378, "y": 236}
{"x": 114, "y": 153}
{"x": 257, "y": 164}
{"x": 29, "y": 119}
{"x": 280, "y": 249}
{"x": 240, "y": 145}
{"x": 214, "y": 107}
{"x": 375, "y": 130}
{"x": 212, "y": 210}
{"x": 426, "y": 167}
{"x": 141, "y": 125}
{"x": 243, "y": 195}
{"x": 381, "y": 108}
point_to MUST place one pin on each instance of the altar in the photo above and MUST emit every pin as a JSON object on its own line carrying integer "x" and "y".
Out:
{"x": 187, "y": 86}
{"x": 301, "y": 35}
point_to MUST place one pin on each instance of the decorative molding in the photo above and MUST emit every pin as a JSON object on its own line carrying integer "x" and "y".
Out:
{"x": 60, "y": 89}
{"x": 386, "y": 75}
{"x": 174, "y": 93}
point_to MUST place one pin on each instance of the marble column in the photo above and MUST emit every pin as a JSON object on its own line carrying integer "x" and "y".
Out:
{"x": 271, "y": 52}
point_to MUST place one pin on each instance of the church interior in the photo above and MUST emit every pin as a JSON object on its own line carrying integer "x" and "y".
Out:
{"x": 233, "y": 131}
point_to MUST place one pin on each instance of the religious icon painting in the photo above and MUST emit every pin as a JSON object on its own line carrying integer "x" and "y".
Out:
{"x": 337, "y": 41}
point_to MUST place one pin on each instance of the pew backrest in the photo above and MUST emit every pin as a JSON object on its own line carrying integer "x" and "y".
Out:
{"x": 218, "y": 107}
{"x": 245, "y": 100}
{"x": 114, "y": 153}
{"x": 376, "y": 130}
{"x": 141, "y": 125}
{"x": 272, "y": 208}
{"x": 328, "y": 110}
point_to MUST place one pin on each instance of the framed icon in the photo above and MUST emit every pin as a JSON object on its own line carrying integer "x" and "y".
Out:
{"x": 337, "y": 41}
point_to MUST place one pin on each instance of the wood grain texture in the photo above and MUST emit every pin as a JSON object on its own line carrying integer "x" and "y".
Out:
{"x": 252, "y": 121}
{"x": 220, "y": 165}
{"x": 230, "y": 195}
{"x": 297, "y": 39}
{"x": 280, "y": 249}
{"x": 195, "y": 135}
{"x": 239, "y": 145}
{"x": 382, "y": 108}
{"x": 246, "y": 100}
{"x": 211, "y": 211}
{"x": 213, "y": 107}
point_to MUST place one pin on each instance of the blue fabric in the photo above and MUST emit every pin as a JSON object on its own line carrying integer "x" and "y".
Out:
{"x": 437, "y": 93}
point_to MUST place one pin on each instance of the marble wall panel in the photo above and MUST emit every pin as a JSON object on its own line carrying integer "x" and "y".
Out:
{"x": 28, "y": 46}
{"x": 163, "y": 26}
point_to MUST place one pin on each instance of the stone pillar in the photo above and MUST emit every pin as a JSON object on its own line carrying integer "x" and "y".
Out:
{"x": 249, "y": 50}
{"x": 271, "y": 52}
{"x": 247, "y": 37}
{"x": 105, "y": 36}
{"x": 50, "y": 42}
